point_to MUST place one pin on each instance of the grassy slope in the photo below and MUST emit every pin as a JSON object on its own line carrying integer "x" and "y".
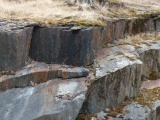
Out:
{"x": 63, "y": 12}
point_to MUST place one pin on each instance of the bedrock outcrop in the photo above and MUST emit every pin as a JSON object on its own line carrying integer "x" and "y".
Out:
{"x": 145, "y": 107}
{"x": 78, "y": 46}
{"x": 15, "y": 38}
{"x": 56, "y": 99}
{"x": 118, "y": 76}
{"x": 36, "y": 73}
{"x": 111, "y": 74}
{"x": 120, "y": 71}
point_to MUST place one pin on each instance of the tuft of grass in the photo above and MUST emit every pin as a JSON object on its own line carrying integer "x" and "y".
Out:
{"x": 130, "y": 58}
{"x": 140, "y": 39}
{"x": 153, "y": 75}
{"x": 112, "y": 1}
{"x": 148, "y": 96}
{"x": 137, "y": 47}
{"x": 119, "y": 53}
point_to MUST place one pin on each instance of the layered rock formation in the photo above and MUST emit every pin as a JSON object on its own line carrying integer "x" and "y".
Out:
{"x": 144, "y": 107}
{"x": 15, "y": 41}
{"x": 112, "y": 72}
{"x": 55, "y": 99}
{"x": 79, "y": 47}
{"x": 119, "y": 73}
{"x": 37, "y": 73}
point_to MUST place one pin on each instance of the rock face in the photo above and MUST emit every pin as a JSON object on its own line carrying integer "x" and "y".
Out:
{"x": 14, "y": 45}
{"x": 137, "y": 111}
{"x": 151, "y": 62}
{"x": 113, "y": 88}
{"x": 146, "y": 107}
{"x": 158, "y": 25}
{"x": 118, "y": 78}
{"x": 56, "y": 99}
{"x": 37, "y": 73}
{"x": 78, "y": 47}
{"x": 119, "y": 73}
{"x": 63, "y": 45}
{"x": 114, "y": 71}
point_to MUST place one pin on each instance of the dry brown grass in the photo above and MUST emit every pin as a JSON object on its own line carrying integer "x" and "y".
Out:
{"x": 48, "y": 11}
{"x": 63, "y": 12}
{"x": 140, "y": 39}
{"x": 148, "y": 96}
{"x": 150, "y": 4}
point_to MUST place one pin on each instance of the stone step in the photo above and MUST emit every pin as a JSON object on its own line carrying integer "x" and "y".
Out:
{"x": 37, "y": 73}
{"x": 119, "y": 73}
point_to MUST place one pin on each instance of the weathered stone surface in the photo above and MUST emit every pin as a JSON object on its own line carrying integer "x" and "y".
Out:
{"x": 158, "y": 25}
{"x": 140, "y": 25}
{"x": 53, "y": 100}
{"x": 118, "y": 70}
{"x": 63, "y": 45}
{"x": 135, "y": 112}
{"x": 149, "y": 53}
{"x": 151, "y": 62}
{"x": 138, "y": 111}
{"x": 150, "y": 84}
{"x": 119, "y": 73}
{"x": 74, "y": 72}
{"x": 116, "y": 80}
{"x": 14, "y": 44}
{"x": 107, "y": 34}
{"x": 132, "y": 110}
{"x": 120, "y": 29}
{"x": 37, "y": 73}
{"x": 79, "y": 47}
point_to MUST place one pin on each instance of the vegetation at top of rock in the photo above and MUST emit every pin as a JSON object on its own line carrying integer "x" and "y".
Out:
{"x": 76, "y": 11}
{"x": 148, "y": 96}
{"x": 137, "y": 41}
{"x": 140, "y": 39}
{"x": 116, "y": 111}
